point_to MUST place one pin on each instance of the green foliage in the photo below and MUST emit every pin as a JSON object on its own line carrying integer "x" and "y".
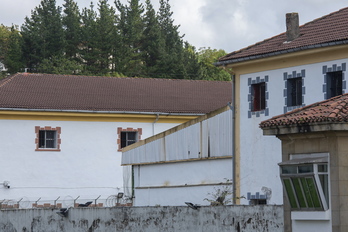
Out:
{"x": 60, "y": 65}
{"x": 206, "y": 58}
{"x": 131, "y": 39}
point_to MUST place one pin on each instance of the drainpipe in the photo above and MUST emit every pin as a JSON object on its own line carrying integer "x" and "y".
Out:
{"x": 233, "y": 107}
{"x": 153, "y": 124}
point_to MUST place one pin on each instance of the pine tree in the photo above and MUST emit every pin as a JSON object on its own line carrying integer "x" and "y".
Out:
{"x": 131, "y": 28}
{"x": 43, "y": 34}
{"x": 106, "y": 36}
{"x": 72, "y": 29}
{"x": 172, "y": 60}
{"x": 89, "y": 53}
{"x": 153, "y": 43}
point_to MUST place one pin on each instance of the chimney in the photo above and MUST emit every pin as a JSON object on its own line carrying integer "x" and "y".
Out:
{"x": 292, "y": 26}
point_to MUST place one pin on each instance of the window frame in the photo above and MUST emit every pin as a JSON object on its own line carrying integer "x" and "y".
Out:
{"x": 56, "y": 139}
{"x": 301, "y": 186}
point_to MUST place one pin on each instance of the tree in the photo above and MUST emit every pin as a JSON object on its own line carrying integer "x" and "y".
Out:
{"x": 43, "y": 33}
{"x": 171, "y": 62}
{"x": 131, "y": 28}
{"x": 89, "y": 53}
{"x": 72, "y": 29}
{"x": 13, "y": 57}
{"x": 153, "y": 42}
{"x": 106, "y": 36}
{"x": 206, "y": 59}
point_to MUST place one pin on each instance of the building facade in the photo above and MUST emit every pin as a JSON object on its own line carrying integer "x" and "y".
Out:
{"x": 62, "y": 136}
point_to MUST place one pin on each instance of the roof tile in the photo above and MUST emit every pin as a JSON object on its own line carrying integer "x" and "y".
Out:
{"x": 91, "y": 93}
{"x": 332, "y": 28}
{"x": 331, "y": 110}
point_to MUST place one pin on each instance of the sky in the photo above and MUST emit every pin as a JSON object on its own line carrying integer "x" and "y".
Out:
{"x": 218, "y": 24}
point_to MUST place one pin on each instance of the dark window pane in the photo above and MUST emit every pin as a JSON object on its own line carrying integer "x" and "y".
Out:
{"x": 334, "y": 84}
{"x": 128, "y": 138}
{"x": 42, "y": 139}
{"x": 313, "y": 192}
{"x": 307, "y": 193}
{"x": 305, "y": 169}
{"x": 294, "y": 88}
{"x": 299, "y": 193}
{"x": 289, "y": 169}
{"x": 258, "y": 92}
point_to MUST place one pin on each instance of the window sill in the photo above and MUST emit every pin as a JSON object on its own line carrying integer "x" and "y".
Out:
{"x": 311, "y": 215}
{"x": 44, "y": 149}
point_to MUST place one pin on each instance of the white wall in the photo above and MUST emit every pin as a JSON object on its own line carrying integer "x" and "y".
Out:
{"x": 164, "y": 184}
{"x": 260, "y": 154}
{"x": 88, "y": 164}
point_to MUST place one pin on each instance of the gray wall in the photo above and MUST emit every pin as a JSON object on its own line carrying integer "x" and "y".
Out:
{"x": 178, "y": 218}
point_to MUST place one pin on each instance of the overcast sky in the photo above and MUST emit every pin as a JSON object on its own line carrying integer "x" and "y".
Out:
{"x": 221, "y": 24}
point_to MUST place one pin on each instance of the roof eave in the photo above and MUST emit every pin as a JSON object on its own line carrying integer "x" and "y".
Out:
{"x": 282, "y": 52}
{"x": 305, "y": 128}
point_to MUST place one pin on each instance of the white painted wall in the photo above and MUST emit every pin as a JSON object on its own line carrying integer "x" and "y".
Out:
{"x": 260, "y": 154}
{"x": 88, "y": 164}
{"x": 164, "y": 184}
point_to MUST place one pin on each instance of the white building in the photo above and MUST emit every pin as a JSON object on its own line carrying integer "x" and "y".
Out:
{"x": 62, "y": 136}
{"x": 304, "y": 65}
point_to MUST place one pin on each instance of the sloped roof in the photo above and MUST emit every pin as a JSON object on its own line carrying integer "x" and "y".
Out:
{"x": 333, "y": 110}
{"x": 329, "y": 30}
{"x": 91, "y": 93}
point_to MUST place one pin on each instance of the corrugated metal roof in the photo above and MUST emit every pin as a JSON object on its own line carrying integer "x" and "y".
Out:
{"x": 64, "y": 92}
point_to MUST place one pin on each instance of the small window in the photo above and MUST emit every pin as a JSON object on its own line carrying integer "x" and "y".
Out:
{"x": 334, "y": 84}
{"x": 128, "y": 138}
{"x": 258, "y": 92}
{"x": 47, "y": 138}
{"x": 294, "y": 91}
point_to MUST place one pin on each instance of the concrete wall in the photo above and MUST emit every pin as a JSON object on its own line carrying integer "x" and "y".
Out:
{"x": 260, "y": 154}
{"x": 218, "y": 218}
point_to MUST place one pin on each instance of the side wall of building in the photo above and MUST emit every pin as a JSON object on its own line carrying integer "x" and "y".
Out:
{"x": 87, "y": 165}
{"x": 260, "y": 154}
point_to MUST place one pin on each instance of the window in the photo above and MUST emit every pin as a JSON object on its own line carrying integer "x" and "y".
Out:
{"x": 294, "y": 91}
{"x": 258, "y": 92}
{"x": 334, "y": 84}
{"x": 306, "y": 183}
{"x": 127, "y": 136}
{"x": 47, "y": 138}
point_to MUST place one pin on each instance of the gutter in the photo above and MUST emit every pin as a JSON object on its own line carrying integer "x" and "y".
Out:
{"x": 101, "y": 112}
{"x": 254, "y": 57}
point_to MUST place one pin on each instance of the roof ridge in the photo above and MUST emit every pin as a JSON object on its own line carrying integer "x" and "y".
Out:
{"x": 10, "y": 78}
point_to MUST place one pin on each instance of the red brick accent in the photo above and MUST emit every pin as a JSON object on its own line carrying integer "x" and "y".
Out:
{"x": 59, "y": 141}
{"x": 129, "y": 129}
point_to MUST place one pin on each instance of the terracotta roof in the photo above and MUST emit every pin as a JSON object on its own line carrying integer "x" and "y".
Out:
{"x": 328, "y": 30}
{"x": 63, "y": 92}
{"x": 334, "y": 110}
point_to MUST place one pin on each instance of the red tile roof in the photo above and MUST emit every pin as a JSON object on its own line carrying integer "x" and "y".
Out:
{"x": 328, "y": 30}
{"x": 63, "y": 92}
{"x": 334, "y": 110}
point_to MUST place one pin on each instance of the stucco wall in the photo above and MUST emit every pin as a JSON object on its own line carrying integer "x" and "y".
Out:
{"x": 221, "y": 218}
{"x": 88, "y": 164}
{"x": 174, "y": 183}
{"x": 260, "y": 154}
